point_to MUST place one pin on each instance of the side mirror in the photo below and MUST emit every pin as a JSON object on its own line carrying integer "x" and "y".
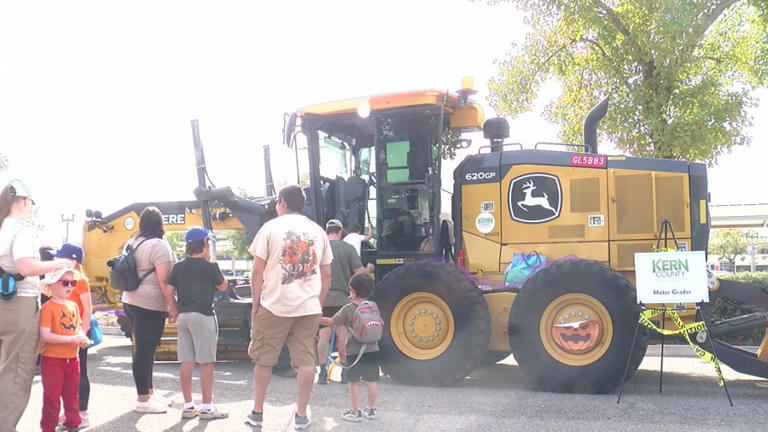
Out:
{"x": 289, "y": 124}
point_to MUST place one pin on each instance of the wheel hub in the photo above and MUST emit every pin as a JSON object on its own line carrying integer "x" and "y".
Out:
{"x": 422, "y": 326}
{"x": 576, "y": 329}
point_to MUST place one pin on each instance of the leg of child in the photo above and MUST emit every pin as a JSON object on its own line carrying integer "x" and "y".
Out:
{"x": 206, "y": 382}
{"x": 354, "y": 394}
{"x": 185, "y": 374}
{"x": 372, "y": 387}
{"x": 53, "y": 381}
{"x": 69, "y": 393}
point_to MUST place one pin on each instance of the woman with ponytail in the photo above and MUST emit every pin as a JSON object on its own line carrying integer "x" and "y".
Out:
{"x": 19, "y": 301}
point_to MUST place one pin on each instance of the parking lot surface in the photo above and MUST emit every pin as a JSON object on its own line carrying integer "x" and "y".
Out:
{"x": 494, "y": 398}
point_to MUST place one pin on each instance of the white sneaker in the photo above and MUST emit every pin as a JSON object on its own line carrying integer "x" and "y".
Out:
{"x": 151, "y": 407}
{"x": 84, "y": 423}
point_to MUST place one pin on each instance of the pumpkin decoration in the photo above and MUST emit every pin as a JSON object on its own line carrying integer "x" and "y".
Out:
{"x": 577, "y": 337}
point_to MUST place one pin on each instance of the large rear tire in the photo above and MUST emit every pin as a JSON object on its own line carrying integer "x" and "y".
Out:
{"x": 572, "y": 325}
{"x": 437, "y": 324}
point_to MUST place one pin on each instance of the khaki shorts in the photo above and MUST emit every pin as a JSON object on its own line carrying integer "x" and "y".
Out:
{"x": 269, "y": 332}
{"x": 198, "y": 336}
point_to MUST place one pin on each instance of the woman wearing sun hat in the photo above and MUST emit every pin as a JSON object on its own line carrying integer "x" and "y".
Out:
{"x": 19, "y": 301}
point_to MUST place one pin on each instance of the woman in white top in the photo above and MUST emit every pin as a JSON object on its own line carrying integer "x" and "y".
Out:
{"x": 19, "y": 301}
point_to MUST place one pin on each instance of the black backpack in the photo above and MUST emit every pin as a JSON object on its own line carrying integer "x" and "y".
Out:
{"x": 123, "y": 274}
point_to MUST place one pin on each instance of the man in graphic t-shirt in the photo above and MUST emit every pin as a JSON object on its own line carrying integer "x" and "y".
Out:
{"x": 289, "y": 281}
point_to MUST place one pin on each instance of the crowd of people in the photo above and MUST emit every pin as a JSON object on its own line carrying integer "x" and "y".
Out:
{"x": 306, "y": 284}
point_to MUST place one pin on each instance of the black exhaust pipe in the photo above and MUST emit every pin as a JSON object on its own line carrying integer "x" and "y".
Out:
{"x": 270, "y": 184}
{"x": 590, "y": 124}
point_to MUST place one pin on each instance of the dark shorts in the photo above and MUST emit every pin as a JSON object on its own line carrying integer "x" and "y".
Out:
{"x": 366, "y": 369}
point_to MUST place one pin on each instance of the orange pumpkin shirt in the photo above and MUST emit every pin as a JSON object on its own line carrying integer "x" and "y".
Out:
{"x": 63, "y": 319}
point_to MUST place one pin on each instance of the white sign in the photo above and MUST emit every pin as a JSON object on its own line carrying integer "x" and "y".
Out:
{"x": 671, "y": 277}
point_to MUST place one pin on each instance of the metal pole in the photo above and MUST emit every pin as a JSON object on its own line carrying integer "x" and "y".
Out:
{"x": 67, "y": 221}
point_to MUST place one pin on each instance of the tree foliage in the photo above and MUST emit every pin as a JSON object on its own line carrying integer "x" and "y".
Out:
{"x": 177, "y": 241}
{"x": 240, "y": 241}
{"x": 678, "y": 72}
{"x": 727, "y": 244}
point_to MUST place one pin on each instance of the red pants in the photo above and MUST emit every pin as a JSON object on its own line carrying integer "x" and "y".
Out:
{"x": 61, "y": 378}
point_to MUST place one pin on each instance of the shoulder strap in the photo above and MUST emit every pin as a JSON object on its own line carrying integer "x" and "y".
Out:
{"x": 153, "y": 267}
{"x": 357, "y": 359}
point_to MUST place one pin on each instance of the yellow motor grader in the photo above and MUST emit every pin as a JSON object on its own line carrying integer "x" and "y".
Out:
{"x": 440, "y": 279}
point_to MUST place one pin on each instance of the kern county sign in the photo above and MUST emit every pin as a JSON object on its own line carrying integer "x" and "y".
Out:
{"x": 671, "y": 277}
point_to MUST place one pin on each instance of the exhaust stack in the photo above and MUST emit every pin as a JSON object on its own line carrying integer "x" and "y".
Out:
{"x": 590, "y": 124}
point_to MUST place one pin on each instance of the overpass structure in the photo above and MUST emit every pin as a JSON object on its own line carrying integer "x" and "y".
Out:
{"x": 739, "y": 215}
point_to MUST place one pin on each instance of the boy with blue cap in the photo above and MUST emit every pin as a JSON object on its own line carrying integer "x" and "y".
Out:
{"x": 195, "y": 280}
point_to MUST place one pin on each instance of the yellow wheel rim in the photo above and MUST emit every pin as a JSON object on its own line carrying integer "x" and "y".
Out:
{"x": 422, "y": 326}
{"x": 576, "y": 308}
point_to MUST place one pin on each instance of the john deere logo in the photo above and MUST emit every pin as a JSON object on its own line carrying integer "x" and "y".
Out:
{"x": 535, "y": 198}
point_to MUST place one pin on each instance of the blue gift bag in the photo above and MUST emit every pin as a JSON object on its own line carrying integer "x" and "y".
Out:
{"x": 522, "y": 267}
{"x": 95, "y": 333}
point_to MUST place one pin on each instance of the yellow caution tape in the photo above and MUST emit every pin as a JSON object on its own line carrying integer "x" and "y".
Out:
{"x": 685, "y": 330}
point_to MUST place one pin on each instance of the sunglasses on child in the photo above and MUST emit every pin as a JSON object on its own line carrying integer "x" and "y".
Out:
{"x": 67, "y": 283}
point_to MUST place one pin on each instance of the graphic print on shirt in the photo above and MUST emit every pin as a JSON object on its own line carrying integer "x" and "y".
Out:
{"x": 67, "y": 320}
{"x": 297, "y": 258}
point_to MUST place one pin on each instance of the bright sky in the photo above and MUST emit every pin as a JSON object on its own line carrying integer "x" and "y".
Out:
{"x": 96, "y": 97}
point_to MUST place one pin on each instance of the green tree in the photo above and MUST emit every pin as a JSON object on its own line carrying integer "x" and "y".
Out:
{"x": 728, "y": 243}
{"x": 678, "y": 72}
{"x": 240, "y": 240}
{"x": 177, "y": 242}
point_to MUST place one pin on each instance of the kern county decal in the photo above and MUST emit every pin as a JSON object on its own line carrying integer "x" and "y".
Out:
{"x": 671, "y": 277}
{"x": 535, "y": 198}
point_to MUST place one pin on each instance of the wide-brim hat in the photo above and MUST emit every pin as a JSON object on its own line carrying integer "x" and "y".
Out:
{"x": 55, "y": 276}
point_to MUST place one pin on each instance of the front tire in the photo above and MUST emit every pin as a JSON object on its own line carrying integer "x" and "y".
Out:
{"x": 437, "y": 324}
{"x": 572, "y": 326}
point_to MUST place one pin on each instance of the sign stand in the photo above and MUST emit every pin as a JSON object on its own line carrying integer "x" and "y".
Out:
{"x": 666, "y": 230}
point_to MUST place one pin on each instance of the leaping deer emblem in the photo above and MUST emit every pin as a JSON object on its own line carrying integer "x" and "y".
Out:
{"x": 531, "y": 201}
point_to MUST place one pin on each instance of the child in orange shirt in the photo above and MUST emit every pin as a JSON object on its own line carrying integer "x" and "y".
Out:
{"x": 62, "y": 334}
{"x": 81, "y": 295}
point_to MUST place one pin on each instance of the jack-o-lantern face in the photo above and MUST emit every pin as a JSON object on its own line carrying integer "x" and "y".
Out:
{"x": 577, "y": 337}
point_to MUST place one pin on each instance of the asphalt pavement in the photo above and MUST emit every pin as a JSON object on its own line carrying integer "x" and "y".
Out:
{"x": 494, "y": 398}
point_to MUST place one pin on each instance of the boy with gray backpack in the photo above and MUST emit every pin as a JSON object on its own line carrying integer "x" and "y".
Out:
{"x": 365, "y": 327}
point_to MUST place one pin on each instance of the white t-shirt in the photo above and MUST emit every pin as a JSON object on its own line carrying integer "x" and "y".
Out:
{"x": 17, "y": 241}
{"x": 356, "y": 240}
{"x": 294, "y": 247}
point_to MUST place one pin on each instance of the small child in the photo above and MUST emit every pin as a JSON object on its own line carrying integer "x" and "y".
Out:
{"x": 367, "y": 368}
{"x": 62, "y": 335}
{"x": 195, "y": 280}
